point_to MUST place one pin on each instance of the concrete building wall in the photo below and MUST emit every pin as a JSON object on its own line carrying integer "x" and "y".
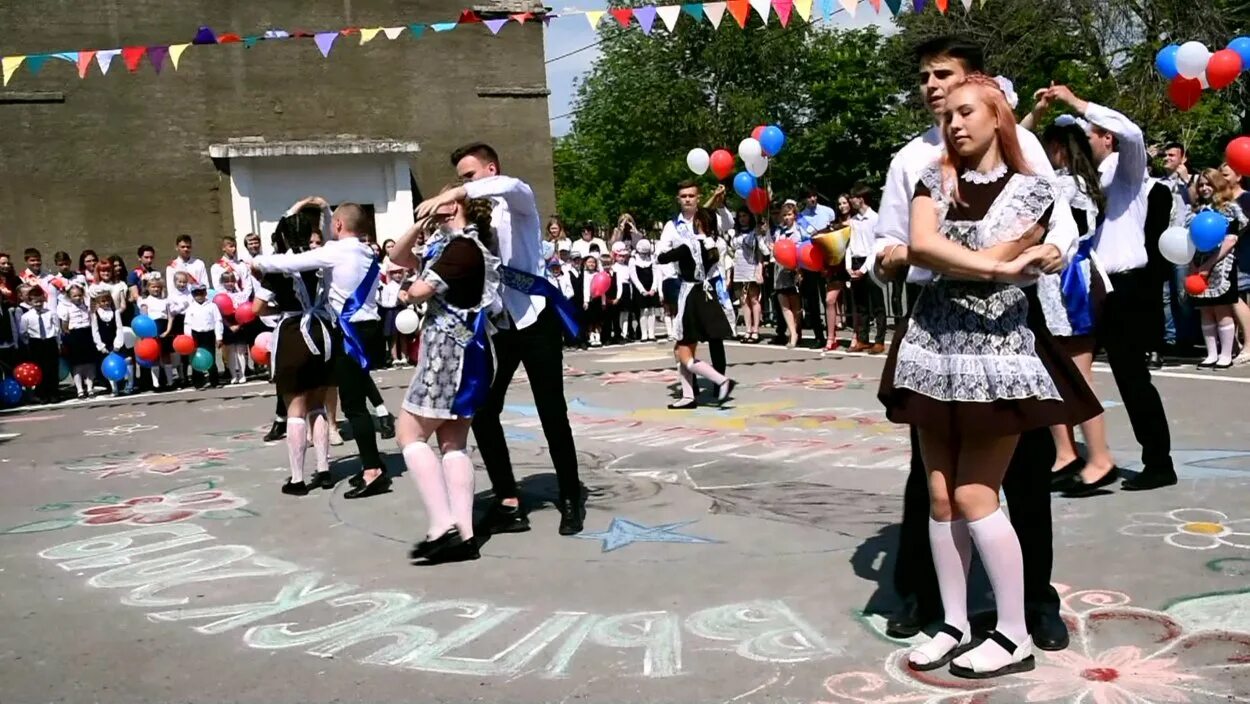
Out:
{"x": 114, "y": 161}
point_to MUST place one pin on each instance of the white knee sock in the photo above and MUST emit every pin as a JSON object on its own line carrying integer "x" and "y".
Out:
{"x": 296, "y": 447}
{"x": 156, "y": 376}
{"x": 426, "y": 472}
{"x": 649, "y": 321}
{"x": 687, "y": 382}
{"x": 952, "y": 557}
{"x": 668, "y": 326}
{"x": 622, "y": 321}
{"x": 320, "y": 438}
{"x": 1208, "y": 336}
{"x": 78, "y": 383}
{"x": 999, "y": 548}
{"x": 458, "y": 473}
{"x": 706, "y": 371}
{"x": 1228, "y": 333}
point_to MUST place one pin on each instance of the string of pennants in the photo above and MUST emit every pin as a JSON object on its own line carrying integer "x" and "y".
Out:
{"x": 132, "y": 56}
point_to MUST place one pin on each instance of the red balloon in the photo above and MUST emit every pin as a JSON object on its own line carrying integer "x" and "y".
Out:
{"x": 757, "y": 201}
{"x": 811, "y": 258}
{"x": 600, "y": 284}
{"x": 722, "y": 164}
{"x": 1223, "y": 68}
{"x": 1195, "y": 284}
{"x": 786, "y": 253}
{"x": 1185, "y": 92}
{"x": 28, "y": 374}
{"x": 1238, "y": 155}
{"x": 224, "y": 304}
{"x": 149, "y": 349}
{"x": 755, "y": 133}
{"x": 260, "y": 354}
{"x": 245, "y": 313}
{"x": 184, "y": 344}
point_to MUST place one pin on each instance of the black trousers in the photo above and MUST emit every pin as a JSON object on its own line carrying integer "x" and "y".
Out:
{"x": 46, "y": 354}
{"x": 1125, "y": 329}
{"x": 868, "y": 300}
{"x": 206, "y": 340}
{"x": 354, "y": 384}
{"x": 812, "y": 298}
{"x": 539, "y": 348}
{"x": 716, "y": 350}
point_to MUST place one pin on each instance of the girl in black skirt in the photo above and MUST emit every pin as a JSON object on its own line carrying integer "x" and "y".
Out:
{"x": 700, "y": 317}
{"x": 80, "y": 351}
{"x": 1219, "y": 267}
{"x": 647, "y": 287}
{"x": 623, "y": 291}
{"x": 106, "y": 328}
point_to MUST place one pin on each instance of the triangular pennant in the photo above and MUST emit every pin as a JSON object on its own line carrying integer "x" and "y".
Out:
{"x": 804, "y": 8}
{"x": 132, "y": 55}
{"x": 84, "y": 62}
{"x": 229, "y": 39}
{"x": 547, "y": 18}
{"x": 894, "y": 5}
{"x": 762, "y": 7}
{"x": 850, "y": 6}
{"x": 325, "y": 40}
{"x": 367, "y": 35}
{"x": 348, "y": 31}
{"x": 942, "y": 5}
{"x": 783, "y": 8}
{"x": 204, "y": 36}
{"x": 250, "y": 40}
{"x": 468, "y": 17}
{"x": 917, "y": 6}
{"x": 175, "y": 53}
{"x": 302, "y": 34}
{"x": 593, "y": 17}
{"x": 443, "y": 26}
{"x": 876, "y": 5}
{"x": 669, "y": 13}
{"x": 715, "y": 11}
{"x": 392, "y": 33}
{"x": 68, "y": 56}
{"x": 495, "y": 25}
{"x": 521, "y": 17}
{"x": 34, "y": 62}
{"x": 157, "y": 55}
{"x": 272, "y": 34}
{"x": 415, "y": 30}
{"x": 105, "y": 59}
{"x": 9, "y": 66}
{"x": 739, "y": 10}
{"x": 694, "y": 10}
{"x": 622, "y": 15}
{"x": 646, "y": 17}
{"x": 967, "y": 5}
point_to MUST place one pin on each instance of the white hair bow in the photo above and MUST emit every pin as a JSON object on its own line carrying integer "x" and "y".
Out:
{"x": 1009, "y": 90}
{"x": 1065, "y": 120}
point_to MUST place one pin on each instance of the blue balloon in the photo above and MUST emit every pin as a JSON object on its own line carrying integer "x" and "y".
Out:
{"x": 10, "y": 392}
{"x": 143, "y": 326}
{"x": 114, "y": 367}
{"x": 744, "y": 183}
{"x": 212, "y": 292}
{"x": 1165, "y": 61}
{"x": 1241, "y": 45}
{"x": 772, "y": 139}
{"x": 1208, "y": 230}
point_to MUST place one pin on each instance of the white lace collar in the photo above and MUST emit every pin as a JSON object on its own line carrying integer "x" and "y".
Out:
{"x": 983, "y": 178}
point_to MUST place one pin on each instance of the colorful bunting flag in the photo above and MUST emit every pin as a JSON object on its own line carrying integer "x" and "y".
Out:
{"x": 367, "y": 35}
{"x": 392, "y": 33}
{"x": 894, "y": 5}
{"x": 229, "y": 39}
{"x": 34, "y": 62}
{"x": 157, "y": 55}
{"x": 804, "y": 8}
{"x": 942, "y": 5}
{"x": 646, "y": 17}
{"x": 204, "y": 36}
{"x": 714, "y": 11}
{"x": 622, "y": 15}
{"x": 495, "y": 25}
{"x": 469, "y": 17}
{"x": 547, "y": 18}
{"x": 520, "y": 17}
{"x": 443, "y": 26}
{"x": 105, "y": 58}
{"x": 762, "y": 8}
{"x": 69, "y": 56}
{"x": 783, "y": 8}
{"x": 349, "y": 30}
{"x": 669, "y": 13}
{"x": 9, "y": 66}
{"x": 593, "y": 17}
{"x": 251, "y": 40}
{"x": 967, "y": 5}
{"x": 739, "y": 10}
{"x": 274, "y": 34}
{"x": 175, "y": 53}
{"x": 325, "y": 41}
{"x": 917, "y": 6}
{"x": 415, "y": 30}
{"x": 132, "y": 55}
{"x": 850, "y": 6}
{"x": 695, "y": 10}
{"x": 84, "y": 62}
{"x": 876, "y": 5}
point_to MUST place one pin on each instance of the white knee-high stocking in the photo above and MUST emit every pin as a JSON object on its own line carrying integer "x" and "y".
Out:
{"x": 706, "y": 371}
{"x": 1228, "y": 333}
{"x": 458, "y": 473}
{"x": 296, "y": 446}
{"x": 999, "y": 548}
{"x": 320, "y": 438}
{"x": 1208, "y": 336}
{"x": 427, "y": 473}
{"x": 952, "y": 558}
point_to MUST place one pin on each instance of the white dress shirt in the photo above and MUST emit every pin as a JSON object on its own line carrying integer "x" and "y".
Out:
{"x": 104, "y": 315}
{"x": 155, "y": 308}
{"x": 863, "y": 228}
{"x": 43, "y": 281}
{"x": 40, "y": 325}
{"x": 582, "y": 247}
{"x": 203, "y": 317}
{"x": 894, "y": 222}
{"x": 518, "y": 233}
{"x": 75, "y": 316}
{"x": 669, "y": 239}
{"x": 193, "y": 267}
{"x": 343, "y": 261}
{"x": 1121, "y": 240}
{"x": 242, "y": 274}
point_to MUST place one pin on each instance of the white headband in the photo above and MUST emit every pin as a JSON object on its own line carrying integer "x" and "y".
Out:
{"x": 1009, "y": 90}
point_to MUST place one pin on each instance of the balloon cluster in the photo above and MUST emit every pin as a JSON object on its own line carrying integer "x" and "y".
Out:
{"x": 765, "y": 142}
{"x": 1237, "y": 154}
{"x": 1205, "y": 234}
{"x": 1191, "y": 67}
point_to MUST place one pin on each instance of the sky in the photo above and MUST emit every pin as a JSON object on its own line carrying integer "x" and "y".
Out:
{"x": 572, "y": 33}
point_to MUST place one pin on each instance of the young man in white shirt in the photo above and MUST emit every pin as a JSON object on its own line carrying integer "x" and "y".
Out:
{"x": 944, "y": 63}
{"x": 1130, "y": 311}
{"x": 185, "y": 261}
{"x": 531, "y": 336}
{"x": 867, "y": 298}
{"x": 230, "y": 261}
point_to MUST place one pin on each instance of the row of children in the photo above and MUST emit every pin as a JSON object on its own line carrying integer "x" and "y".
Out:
{"x": 617, "y": 291}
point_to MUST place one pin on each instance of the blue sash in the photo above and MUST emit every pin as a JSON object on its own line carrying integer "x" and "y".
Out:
{"x": 1074, "y": 285}
{"x": 532, "y": 285}
{"x": 351, "y": 341}
{"x": 475, "y": 374}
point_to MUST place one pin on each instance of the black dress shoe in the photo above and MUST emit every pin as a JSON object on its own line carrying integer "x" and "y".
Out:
{"x": 1150, "y": 479}
{"x": 276, "y": 432}
{"x": 429, "y": 546}
{"x": 463, "y": 551}
{"x": 1080, "y": 488}
{"x": 1048, "y": 630}
{"x": 683, "y": 405}
{"x": 386, "y": 426}
{"x": 570, "y": 519}
{"x": 1062, "y": 479}
{"x": 725, "y": 390}
{"x": 910, "y": 619}
{"x": 380, "y": 485}
{"x": 357, "y": 479}
{"x": 293, "y": 489}
{"x": 1155, "y": 361}
{"x": 322, "y": 480}
{"x": 505, "y": 519}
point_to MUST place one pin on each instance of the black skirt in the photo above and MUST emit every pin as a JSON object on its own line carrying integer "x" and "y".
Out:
{"x": 703, "y": 318}
{"x": 296, "y": 368}
{"x": 1227, "y": 298}
{"x": 80, "y": 347}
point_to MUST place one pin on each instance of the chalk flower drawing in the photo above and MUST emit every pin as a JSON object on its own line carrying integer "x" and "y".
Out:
{"x": 1120, "y": 654}
{"x": 1191, "y": 528}
{"x": 666, "y": 376}
{"x": 163, "y": 508}
{"x": 128, "y": 464}
{"x": 817, "y": 382}
{"x": 127, "y": 429}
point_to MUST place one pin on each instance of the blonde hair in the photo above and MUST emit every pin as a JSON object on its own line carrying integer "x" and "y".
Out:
{"x": 1222, "y": 188}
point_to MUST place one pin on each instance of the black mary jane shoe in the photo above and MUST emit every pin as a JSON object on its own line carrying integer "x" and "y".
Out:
{"x": 467, "y": 549}
{"x": 1080, "y": 488}
{"x": 960, "y": 648}
{"x": 276, "y": 432}
{"x": 322, "y": 480}
{"x": 1061, "y": 479}
{"x": 293, "y": 489}
{"x": 429, "y": 546}
{"x": 1220, "y": 366}
{"x": 725, "y": 391}
{"x": 683, "y": 405}
{"x": 1149, "y": 479}
{"x": 380, "y": 485}
{"x": 1024, "y": 664}
{"x": 356, "y": 480}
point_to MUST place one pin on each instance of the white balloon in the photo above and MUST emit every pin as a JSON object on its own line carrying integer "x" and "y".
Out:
{"x": 407, "y": 321}
{"x": 128, "y": 338}
{"x": 698, "y": 161}
{"x": 1202, "y": 81}
{"x": 749, "y": 149}
{"x": 757, "y": 167}
{"x": 1176, "y": 245}
{"x": 1191, "y": 59}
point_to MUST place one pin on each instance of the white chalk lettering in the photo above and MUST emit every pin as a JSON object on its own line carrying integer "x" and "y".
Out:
{"x": 659, "y": 632}
{"x": 263, "y": 567}
{"x": 301, "y": 591}
{"x": 510, "y": 660}
{"x": 111, "y": 550}
{"x": 763, "y": 630}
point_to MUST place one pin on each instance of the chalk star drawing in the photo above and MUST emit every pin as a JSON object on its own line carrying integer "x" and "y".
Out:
{"x": 128, "y": 429}
{"x": 623, "y": 532}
